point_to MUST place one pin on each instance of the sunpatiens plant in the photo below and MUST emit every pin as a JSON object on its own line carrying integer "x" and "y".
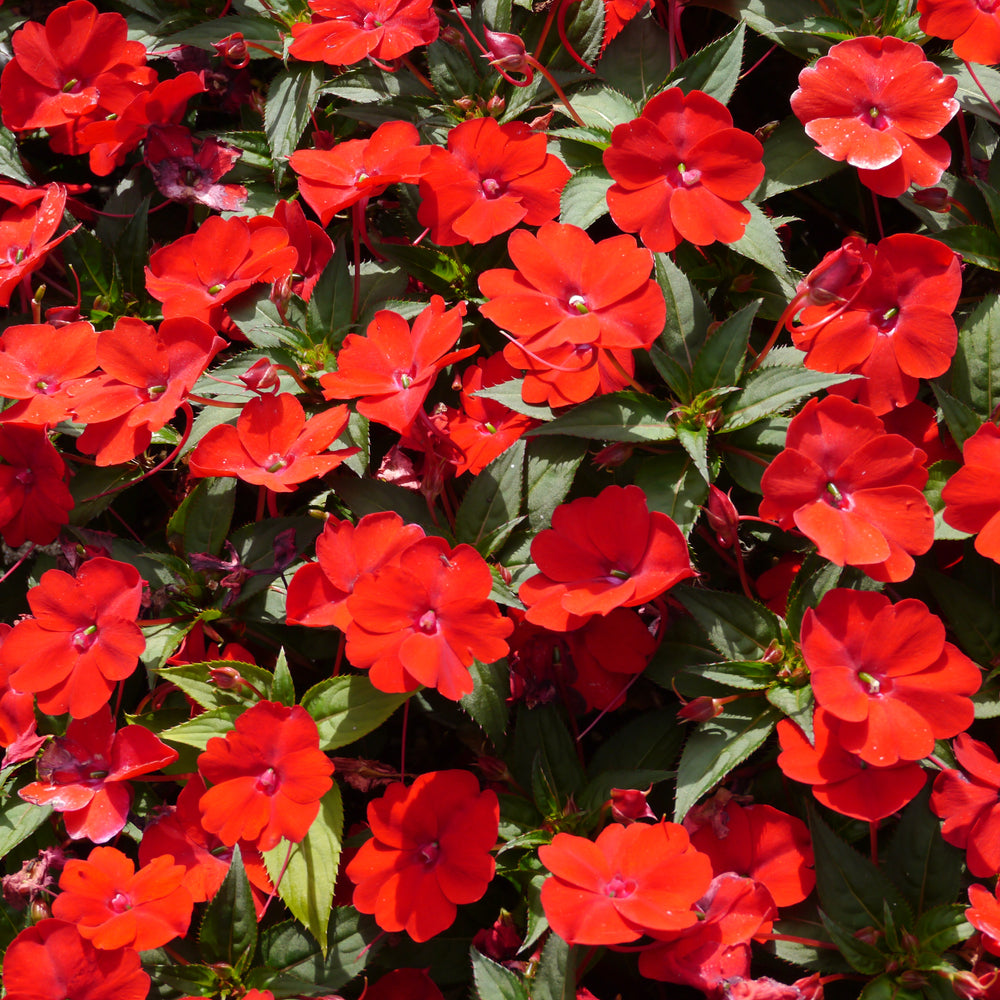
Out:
{"x": 499, "y": 500}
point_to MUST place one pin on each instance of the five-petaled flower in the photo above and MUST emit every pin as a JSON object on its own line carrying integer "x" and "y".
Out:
{"x": 429, "y": 853}
{"x": 972, "y": 495}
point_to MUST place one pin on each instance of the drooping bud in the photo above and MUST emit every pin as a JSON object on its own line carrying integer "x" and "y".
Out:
{"x": 508, "y": 54}
{"x": 838, "y": 277}
{"x": 260, "y": 376}
{"x": 233, "y": 50}
{"x": 703, "y": 708}
{"x": 935, "y": 199}
{"x": 629, "y": 804}
{"x": 722, "y": 517}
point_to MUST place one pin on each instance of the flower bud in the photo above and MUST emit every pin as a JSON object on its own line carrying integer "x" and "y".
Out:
{"x": 703, "y": 708}
{"x": 934, "y": 199}
{"x": 233, "y": 50}
{"x": 838, "y": 277}
{"x": 629, "y": 804}
{"x": 722, "y": 517}
{"x": 260, "y": 376}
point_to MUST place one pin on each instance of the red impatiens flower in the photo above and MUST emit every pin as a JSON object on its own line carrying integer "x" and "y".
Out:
{"x": 17, "y": 719}
{"x": 35, "y": 501}
{"x": 147, "y": 374}
{"x": 423, "y": 619}
{"x": 80, "y": 67}
{"x": 973, "y": 26}
{"x": 491, "y": 178}
{"x": 114, "y": 906}
{"x": 189, "y": 170}
{"x": 755, "y": 840}
{"x": 176, "y": 832}
{"x": 273, "y": 444}
{"x": 345, "y": 552}
{"x": 972, "y": 495}
{"x": 52, "y": 961}
{"x": 587, "y": 570}
{"x": 897, "y": 327}
{"x": 267, "y": 776}
{"x": 85, "y": 774}
{"x": 429, "y": 854}
{"x": 195, "y": 275}
{"x": 311, "y": 243}
{"x": 354, "y": 171}
{"x": 969, "y": 803}
{"x": 842, "y": 781}
{"x": 887, "y": 673}
{"x": 984, "y": 915}
{"x": 82, "y": 640}
{"x": 852, "y": 489}
{"x": 681, "y": 171}
{"x": 26, "y": 231}
{"x": 392, "y": 368}
{"x": 404, "y": 984}
{"x": 343, "y": 32}
{"x": 633, "y": 880}
{"x": 879, "y": 104}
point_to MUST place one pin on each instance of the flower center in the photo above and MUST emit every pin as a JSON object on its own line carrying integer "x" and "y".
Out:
{"x": 84, "y": 638}
{"x": 837, "y": 499}
{"x": 579, "y": 303}
{"x": 427, "y": 622}
{"x": 873, "y": 684}
{"x": 619, "y": 888}
{"x": 491, "y": 188}
{"x": 268, "y": 782}
{"x": 276, "y": 462}
{"x": 119, "y": 902}
{"x": 430, "y": 853}
{"x": 215, "y": 289}
{"x": 877, "y": 119}
{"x": 25, "y": 477}
{"x": 886, "y": 321}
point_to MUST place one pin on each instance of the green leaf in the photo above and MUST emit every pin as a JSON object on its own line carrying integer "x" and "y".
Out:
{"x": 509, "y": 393}
{"x": 556, "y": 975}
{"x": 974, "y": 376}
{"x": 294, "y": 965}
{"x": 486, "y": 703}
{"x": 976, "y": 244}
{"x": 263, "y": 31}
{"x": 740, "y": 629}
{"x": 970, "y": 614}
{"x": 308, "y": 884}
{"x": 585, "y": 31}
{"x": 584, "y": 198}
{"x": 719, "y": 745}
{"x": 202, "y": 520}
{"x": 18, "y": 821}
{"x": 347, "y": 708}
{"x": 686, "y": 328}
{"x": 328, "y": 314}
{"x": 815, "y": 578}
{"x": 604, "y": 107}
{"x": 791, "y": 161}
{"x": 132, "y": 248}
{"x": 544, "y": 756}
{"x": 715, "y": 69}
{"x": 851, "y": 889}
{"x": 927, "y": 869}
{"x": 291, "y": 98}
{"x": 694, "y": 440}
{"x": 552, "y": 465}
{"x": 962, "y": 422}
{"x": 649, "y": 742}
{"x": 943, "y": 927}
{"x": 778, "y": 384}
{"x": 826, "y": 960}
{"x": 719, "y": 363}
{"x": 674, "y": 486}
{"x": 493, "y": 499}
{"x": 195, "y": 681}
{"x": 229, "y": 928}
{"x": 495, "y": 982}
{"x": 637, "y": 61}
{"x": 10, "y": 161}
{"x": 760, "y": 244}
{"x": 366, "y": 496}
{"x": 451, "y": 70}
{"x": 862, "y": 956}
{"x": 618, "y": 416}
{"x": 198, "y": 731}
{"x": 282, "y": 686}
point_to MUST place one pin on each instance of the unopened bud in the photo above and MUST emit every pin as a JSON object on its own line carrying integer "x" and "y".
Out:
{"x": 703, "y": 708}
{"x": 722, "y": 517}
{"x": 629, "y": 804}
{"x": 233, "y": 50}
{"x": 934, "y": 199}
{"x": 838, "y": 277}
{"x": 260, "y": 376}
{"x": 226, "y": 678}
{"x": 495, "y": 106}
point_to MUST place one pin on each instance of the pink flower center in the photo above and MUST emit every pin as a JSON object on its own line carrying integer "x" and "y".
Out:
{"x": 430, "y": 852}
{"x": 579, "y": 303}
{"x": 837, "y": 499}
{"x": 874, "y": 685}
{"x": 119, "y": 903}
{"x": 369, "y": 23}
{"x": 428, "y": 622}
{"x": 84, "y": 638}
{"x": 25, "y": 477}
{"x": 276, "y": 462}
{"x": 988, "y": 6}
{"x": 877, "y": 119}
{"x": 681, "y": 176}
{"x": 491, "y": 188}
{"x": 268, "y": 782}
{"x": 886, "y": 321}
{"x": 619, "y": 888}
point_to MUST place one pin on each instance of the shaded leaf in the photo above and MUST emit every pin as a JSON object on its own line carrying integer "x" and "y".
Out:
{"x": 493, "y": 499}
{"x": 618, "y": 416}
{"x": 347, "y": 708}
{"x": 495, "y": 982}
{"x": 229, "y": 928}
{"x": 715, "y": 69}
{"x": 791, "y": 161}
{"x": 552, "y": 465}
{"x": 486, "y": 703}
{"x": 584, "y": 198}
{"x": 290, "y": 100}
{"x": 737, "y": 627}
{"x": 673, "y": 486}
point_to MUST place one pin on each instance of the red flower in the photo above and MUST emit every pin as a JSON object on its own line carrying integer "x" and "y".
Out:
{"x": 51, "y": 961}
{"x": 345, "y": 552}
{"x": 354, "y": 171}
{"x": 196, "y": 274}
{"x": 842, "y": 781}
{"x": 176, "y": 831}
{"x": 969, "y": 803}
{"x": 188, "y": 170}
{"x": 972, "y": 495}
{"x": 26, "y": 232}
{"x": 972, "y": 25}
{"x": 85, "y": 774}
{"x": 852, "y": 489}
{"x": 315, "y": 248}
{"x": 429, "y": 853}
{"x": 617, "y": 13}
{"x": 35, "y": 501}
{"x": 587, "y": 570}
{"x": 681, "y": 171}
{"x": 491, "y": 178}
{"x": 887, "y": 673}
{"x": 897, "y": 327}
{"x": 148, "y": 373}
{"x": 633, "y": 880}
{"x": 392, "y": 368}
{"x": 110, "y": 140}
{"x": 716, "y": 948}
{"x": 984, "y": 915}
{"x": 404, "y": 984}
{"x": 267, "y": 775}
{"x": 17, "y": 719}
{"x": 879, "y": 104}
{"x": 114, "y": 906}
{"x": 343, "y": 32}
{"x": 80, "y": 67}
{"x": 755, "y": 840}
{"x": 423, "y": 619}
{"x": 273, "y": 444}
{"x": 82, "y": 640}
